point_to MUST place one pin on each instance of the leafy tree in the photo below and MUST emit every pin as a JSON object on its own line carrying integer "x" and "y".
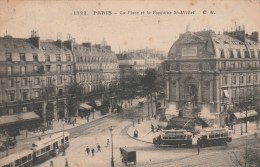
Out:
{"x": 47, "y": 93}
{"x": 74, "y": 93}
{"x": 153, "y": 82}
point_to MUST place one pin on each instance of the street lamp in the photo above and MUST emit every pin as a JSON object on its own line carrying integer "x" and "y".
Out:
{"x": 63, "y": 123}
{"x": 112, "y": 157}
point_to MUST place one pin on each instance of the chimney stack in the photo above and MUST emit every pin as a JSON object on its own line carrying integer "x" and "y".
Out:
{"x": 254, "y": 36}
{"x": 35, "y": 39}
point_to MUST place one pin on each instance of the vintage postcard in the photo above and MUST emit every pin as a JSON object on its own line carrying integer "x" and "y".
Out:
{"x": 89, "y": 83}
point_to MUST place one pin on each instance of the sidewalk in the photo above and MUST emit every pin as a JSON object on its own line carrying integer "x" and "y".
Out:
{"x": 24, "y": 141}
{"x": 146, "y": 135}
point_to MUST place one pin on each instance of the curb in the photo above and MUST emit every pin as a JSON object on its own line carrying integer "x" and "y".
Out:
{"x": 46, "y": 134}
{"x": 136, "y": 138}
{"x": 152, "y": 142}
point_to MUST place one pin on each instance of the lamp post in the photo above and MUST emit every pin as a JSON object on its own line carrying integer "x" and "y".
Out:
{"x": 63, "y": 123}
{"x": 112, "y": 157}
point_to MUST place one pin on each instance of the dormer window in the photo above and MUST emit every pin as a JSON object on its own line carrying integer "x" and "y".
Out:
{"x": 252, "y": 53}
{"x": 22, "y": 57}
{"x": 58, "y": 58}
{"x": 246, "y": 54}
{"x": 8, "y": 57}
{"x": 231, "y": 55}
{"x": 222, "y": 55}
{"x": 238, "y": 53}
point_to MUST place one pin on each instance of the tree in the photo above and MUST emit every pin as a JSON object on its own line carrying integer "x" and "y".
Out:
{"x": 74, "y": 93}
{"x": 153, "y": 82}
{"x": 249, "y": 157}
{"x": 48, "y": 92}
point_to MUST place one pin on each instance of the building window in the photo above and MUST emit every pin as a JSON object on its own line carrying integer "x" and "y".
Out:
{"x": 24, "y": 109}
{"x": 234, "y": 93}
{"x": 60, "y": 92}
{"x": 59, "y": 80}
{"x": 10, "y": 96}
{"x": 47, "y": 58}
{"x": 241, "y": 92}
{"x": 231, "y": 54}
{"x": 246, "y": 54}
{"x": 24, "y": 82}
{"x": 68, "y": 58}
{"x": 11, "y": 83}
{"x": 9, "y": 70}
{"x": 35, "y": 57}
{"x": 238, "y": 53}
{"x": 259, "y": 54}
{"x": 225, "y": 79}
{"x": 58, "y": 68}
{"x": 255, "y": 78}
{"x": 23, "y": 69}
{"x": 37, "y": 81}
{"x": 24, "y": 95}
{"x": 223, "y": 65}
{"x": 222, "y": 55}
{"x": 240, "y": 64}
{"x": 8, "y": 57}
{"x": 249, "y": 78}
{"x": 233, "y": 79}
{"x": 69, "y": 68}
{"x": 36, "y": 94}
{"x": 252, "y": 53}
{"x": 233, "y": 65}
{"x": 48, "y": 68}
{"x": 49, "y": 80}
{"x": 241, "y": 79}
{"x": 22, "y": 57}
{"x": 58, "y": 57}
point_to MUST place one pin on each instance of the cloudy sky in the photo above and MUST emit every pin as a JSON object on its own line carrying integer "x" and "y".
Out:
{"x": 129, "y": 26}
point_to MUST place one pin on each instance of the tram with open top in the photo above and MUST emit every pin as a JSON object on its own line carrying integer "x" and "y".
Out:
{"x": 22, "y": 158}
{"x": 174, "y": 137}
{"x": 219, "y": 136}
{"x": 48, "y": 147}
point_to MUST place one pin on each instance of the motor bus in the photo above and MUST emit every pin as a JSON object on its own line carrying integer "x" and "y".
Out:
{"x": 22, "y": 158}
{"x": 210, "y": 137}
{"x": 174, "y": 137}
{"x": 50, "y": 146}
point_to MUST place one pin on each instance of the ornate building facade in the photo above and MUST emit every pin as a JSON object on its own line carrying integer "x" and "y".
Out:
{"x": 34, "y": 74}
{"x": 210, "y": 75}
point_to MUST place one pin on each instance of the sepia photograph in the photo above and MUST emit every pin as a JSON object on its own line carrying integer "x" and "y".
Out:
{"x": 114, "y": 83}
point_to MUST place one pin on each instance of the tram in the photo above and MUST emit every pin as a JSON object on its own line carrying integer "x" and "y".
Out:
{"x": 23, "y": 158}
{"x": 174, "y": 137}
{"x": 46, "y": 148}
{"x": 220, "y": 136}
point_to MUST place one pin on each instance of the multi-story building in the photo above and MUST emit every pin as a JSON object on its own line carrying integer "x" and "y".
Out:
{"x": 34, "y": 73}
{"x": 139, "y": 60}
{"x": 212, "y": 75}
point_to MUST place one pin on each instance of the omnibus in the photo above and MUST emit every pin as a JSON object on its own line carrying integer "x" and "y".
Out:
{"x": 174, "y": 137}
{"x": 46, "y": 148}
{"x": 22, "y": 158}
{"x": 218, "y": 136}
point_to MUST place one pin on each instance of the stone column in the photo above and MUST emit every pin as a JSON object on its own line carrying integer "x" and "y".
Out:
{"x": 177, "y": 92}
{"x": 200, "y": 92}
{"x": 44, "y": 112}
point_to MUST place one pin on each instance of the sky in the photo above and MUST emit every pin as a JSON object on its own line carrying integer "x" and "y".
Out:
{"x": 125, "y": 24}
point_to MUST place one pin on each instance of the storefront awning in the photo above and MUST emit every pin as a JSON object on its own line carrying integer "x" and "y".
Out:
{"x": 86, "y": 106}
{"x": 11, "y": 119}
{"x": 241, "y": 115}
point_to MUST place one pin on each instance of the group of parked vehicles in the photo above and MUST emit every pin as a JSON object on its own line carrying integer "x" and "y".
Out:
{"x": 183, "y": 138}
{"x": 39, "y": 152}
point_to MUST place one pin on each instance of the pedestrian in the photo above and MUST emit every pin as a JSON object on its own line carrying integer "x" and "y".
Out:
{"x": 198, "y": 145}
{"x": 43, "y": 130}
{"x": 87, "y": 150}
{"x": 58, "y": 119}
{"x": 75, "y": 120}
{"x": 107, "y": 142}
{"x": 93, "y": 151}
{"x": 39, "y": 138}
{"x": 66, "y": 163}
{"x": 98, "y": 148}
{"x": 88, "y": 118}
{"x": 51, "y": 164}
{"x": 152, "y": 128}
